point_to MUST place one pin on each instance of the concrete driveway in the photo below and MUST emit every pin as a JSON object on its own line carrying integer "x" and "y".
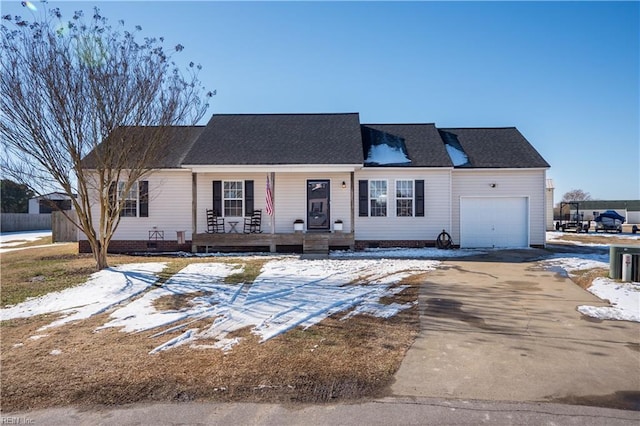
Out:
{"x": 505, "y": 329}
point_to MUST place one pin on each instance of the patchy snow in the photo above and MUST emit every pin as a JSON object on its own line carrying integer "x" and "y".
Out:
{"x": 38, "y": 336}
{"x": 9, "y": 240}
{"x": 556, "y": 237}
{"x": 288, "y": 293}
{"x": 563, "y": 263}
{"x": 102, "y": 291}
{"x": 624, "y": 299}
{"x": 386, "y": 154}
{"x": 140, "y": 314}
{"x": 458, "y": 157}
{"x": 404, "y": 253}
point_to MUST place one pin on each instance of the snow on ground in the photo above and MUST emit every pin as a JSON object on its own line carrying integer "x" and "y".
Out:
{"x": 8, "y": 239}
{"x": 570, "y": 262}
{"x": 288, "y": 293}
{"x": 624, "y": 297}
{"x": 555, "y": 237}
{"x": 101, "y": 292}
{"x": 405, "y": 253}
{"x": 12, "y": 239}
{"x": 140, "y": 314}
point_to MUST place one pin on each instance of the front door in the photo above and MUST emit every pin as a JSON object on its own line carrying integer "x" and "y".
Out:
{"x": 318, "y": 218}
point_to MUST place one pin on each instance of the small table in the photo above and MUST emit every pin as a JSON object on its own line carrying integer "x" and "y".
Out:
{"x": 233, "y": 225}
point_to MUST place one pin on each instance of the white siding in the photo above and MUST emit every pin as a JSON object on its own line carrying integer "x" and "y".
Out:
{"x": 633, "y": 217}
{"x": 508, "y": 183}
{"x": 549, "y": 209}
{"x": 437, "y": 205}
{"x": 169, "y": 208}
{"x": 289, "y": 193}
{"x": 34, "y": 206}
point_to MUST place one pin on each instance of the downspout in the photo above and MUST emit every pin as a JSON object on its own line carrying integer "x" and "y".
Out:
{"x": 544, "y": 208}
{"x": 353, "y": 214}
{"x": 273, "y": 202}
{"x": 194, "y": 210}
{"x": 451, "y": 205}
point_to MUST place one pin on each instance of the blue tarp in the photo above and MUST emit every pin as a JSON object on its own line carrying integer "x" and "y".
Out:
{"x": 612, "y": 214}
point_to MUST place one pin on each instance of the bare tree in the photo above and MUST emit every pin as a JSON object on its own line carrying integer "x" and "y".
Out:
{"x": 576, "y": 195}
{"x": 66, "y": 87}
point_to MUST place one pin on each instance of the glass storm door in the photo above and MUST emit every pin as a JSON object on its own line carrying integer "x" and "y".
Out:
{"x": 318, "y": 205}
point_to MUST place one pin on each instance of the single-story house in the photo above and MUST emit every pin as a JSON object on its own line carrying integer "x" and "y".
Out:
{"x": 347, "y": 184}
{"x": 45, "y": 204}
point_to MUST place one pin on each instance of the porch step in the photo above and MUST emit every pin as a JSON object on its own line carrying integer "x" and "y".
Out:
{"x": 315, "y": 244}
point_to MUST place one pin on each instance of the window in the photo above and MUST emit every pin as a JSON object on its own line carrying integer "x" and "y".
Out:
{"x": 232, "y": 197}
{"x": 404, "y": 198}
{"x": 378, "y": 197}
{"x": 135, "y": 201}
{"x": 129, "y": 199}
{"x": 372, "y": 195}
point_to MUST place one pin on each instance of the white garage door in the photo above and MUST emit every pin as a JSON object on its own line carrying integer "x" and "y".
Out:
{"x": 494, "y": 222}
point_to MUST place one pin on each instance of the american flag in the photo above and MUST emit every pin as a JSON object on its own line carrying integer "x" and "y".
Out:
{"x": 269, "y": 198}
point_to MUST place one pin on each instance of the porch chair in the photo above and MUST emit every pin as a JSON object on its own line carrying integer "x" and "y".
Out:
{"x": 253, "y": 223}
{"x": 215, "y": 223}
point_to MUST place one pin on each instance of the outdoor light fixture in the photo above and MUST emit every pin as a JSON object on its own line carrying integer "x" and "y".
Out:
{"x": 344, "y": 184}
{"x": 493, "y": 185}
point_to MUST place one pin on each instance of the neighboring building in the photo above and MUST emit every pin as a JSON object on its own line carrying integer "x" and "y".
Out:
{"x": 45, "y": 204}
{"x": 549, "y": 205}
{"x": 387, "y": 184}
{"x": 630, "y": 209}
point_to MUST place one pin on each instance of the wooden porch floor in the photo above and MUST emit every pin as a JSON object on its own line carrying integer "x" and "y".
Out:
{"x": 310, "y": 242}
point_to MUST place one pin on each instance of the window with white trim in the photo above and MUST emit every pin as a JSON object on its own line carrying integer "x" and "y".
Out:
{"x": 378, "y": 197}
{"x": 232, "y": 198}
{"x": 130, "y": 199}
{"x": 404, "y": 198}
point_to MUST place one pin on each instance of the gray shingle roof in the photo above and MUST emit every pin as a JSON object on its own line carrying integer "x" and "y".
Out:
{"x": 423, "y": 142}
{"x": 630, "y": 205}
{"x": 299, "y": 139}
{"x": 175, "y": 143}
{"x": 266, "y": 139}
{"x": 496, "y": 148}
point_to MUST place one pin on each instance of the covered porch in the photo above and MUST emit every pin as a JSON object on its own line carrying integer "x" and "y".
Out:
{"x": 305, "y": 242}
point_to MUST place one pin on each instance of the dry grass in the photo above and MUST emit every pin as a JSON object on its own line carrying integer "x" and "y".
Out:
{"x": 34, "y": 272}
{"x": 586, "y": 277}
{"x": 334, "y": 360}
{"x": 593, "y": 238}
{"x": 330, "y": 361}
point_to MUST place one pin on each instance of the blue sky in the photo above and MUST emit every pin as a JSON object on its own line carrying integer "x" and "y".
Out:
{"x": 566, "y": 74}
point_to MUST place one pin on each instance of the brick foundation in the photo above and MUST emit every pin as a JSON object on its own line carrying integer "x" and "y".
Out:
{"x": 365, "y": 244}
{"x": 131, "y": 246}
